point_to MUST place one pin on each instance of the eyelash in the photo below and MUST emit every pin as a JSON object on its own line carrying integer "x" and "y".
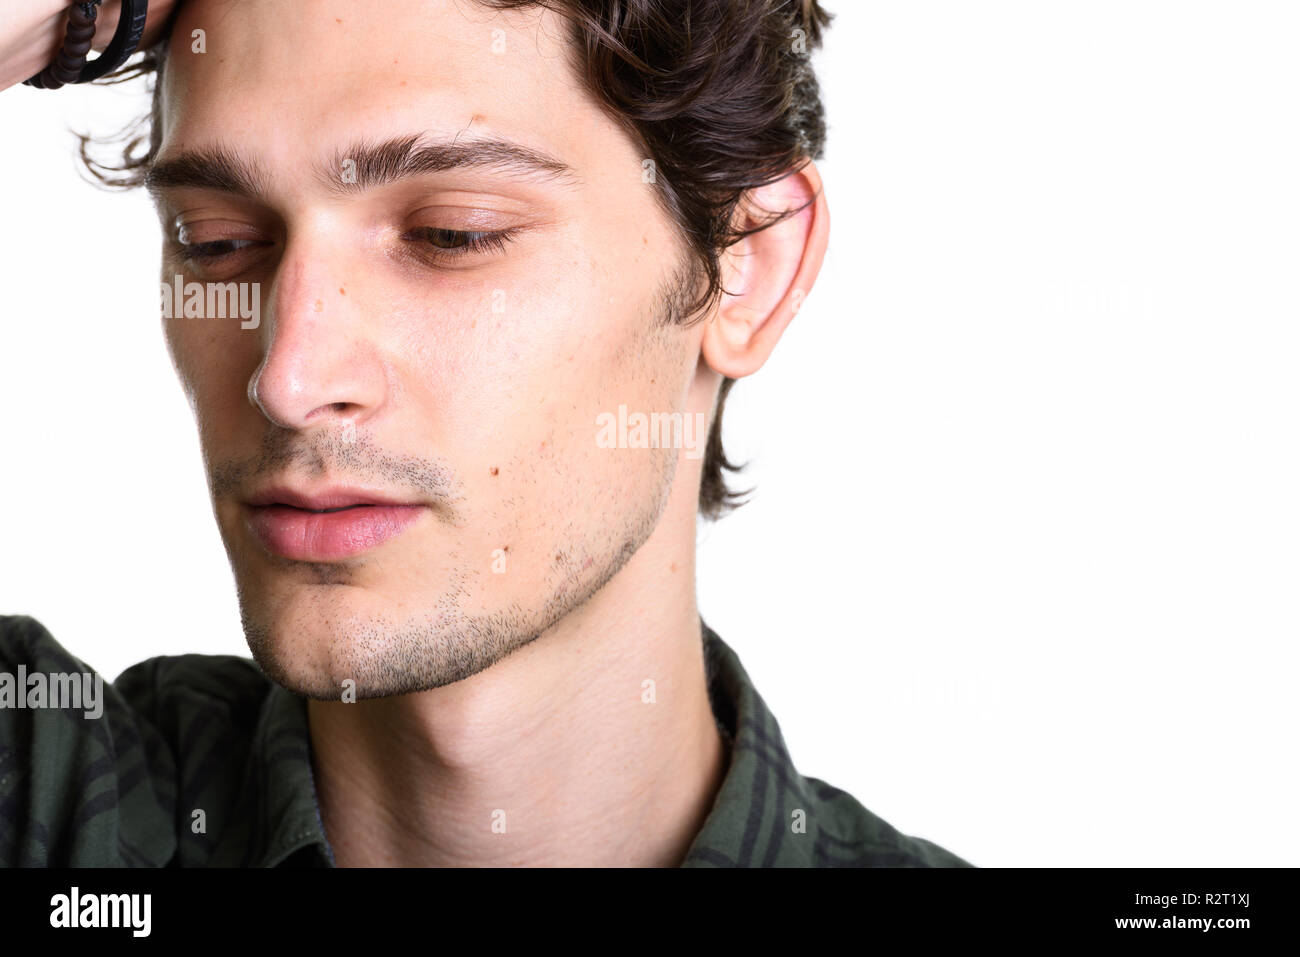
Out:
{"x": 473, "y": 241}
{"x": 469, "y": 241}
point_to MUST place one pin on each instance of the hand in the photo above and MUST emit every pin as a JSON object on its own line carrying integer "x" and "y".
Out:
{"x": 31, "y": 33}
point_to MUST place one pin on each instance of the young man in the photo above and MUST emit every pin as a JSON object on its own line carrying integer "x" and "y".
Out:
{"x": 486, "y": 243}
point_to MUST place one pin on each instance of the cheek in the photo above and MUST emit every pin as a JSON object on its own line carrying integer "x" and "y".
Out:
{"x": 213, "y": 365}
{"x": 511, "y": 386}
{"x": 514, "y": 369}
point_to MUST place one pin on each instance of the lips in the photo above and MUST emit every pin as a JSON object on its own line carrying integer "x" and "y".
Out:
{"x": 328, "y": 525}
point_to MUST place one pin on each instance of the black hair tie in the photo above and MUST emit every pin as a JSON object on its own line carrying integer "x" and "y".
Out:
{"x": 70, "y": 64}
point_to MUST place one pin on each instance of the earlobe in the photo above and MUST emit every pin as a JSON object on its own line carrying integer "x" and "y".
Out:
{"x": 768, "y": 275}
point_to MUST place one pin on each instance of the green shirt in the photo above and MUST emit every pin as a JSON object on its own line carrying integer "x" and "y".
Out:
{"x": 185, "y": 734}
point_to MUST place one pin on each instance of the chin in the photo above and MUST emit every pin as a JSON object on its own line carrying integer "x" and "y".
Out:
{"x": 311, "y": 640}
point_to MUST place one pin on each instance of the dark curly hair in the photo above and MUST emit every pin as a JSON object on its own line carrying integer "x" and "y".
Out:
{"x": 720, "y": 94}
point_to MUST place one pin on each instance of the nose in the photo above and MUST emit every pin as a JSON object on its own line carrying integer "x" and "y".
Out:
{"x": 320, "y": 363}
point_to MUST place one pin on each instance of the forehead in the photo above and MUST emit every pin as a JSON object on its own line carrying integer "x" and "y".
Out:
{"x": 286, "y": 80}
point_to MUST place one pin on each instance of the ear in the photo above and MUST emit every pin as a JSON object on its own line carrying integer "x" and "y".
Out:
{"x": 767, "y": 276}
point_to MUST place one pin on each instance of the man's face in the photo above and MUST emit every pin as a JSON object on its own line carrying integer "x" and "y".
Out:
{"x": 393, "y": 364}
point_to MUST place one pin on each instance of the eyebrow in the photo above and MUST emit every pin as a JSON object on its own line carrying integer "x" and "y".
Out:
{"x": 362, "y": 166}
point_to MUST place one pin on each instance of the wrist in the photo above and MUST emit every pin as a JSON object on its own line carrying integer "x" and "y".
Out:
{"x": 74, "y": 62}
{"x": 30, "y": 36}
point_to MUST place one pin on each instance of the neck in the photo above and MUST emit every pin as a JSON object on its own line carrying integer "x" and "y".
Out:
{"x": 561, "y": 754}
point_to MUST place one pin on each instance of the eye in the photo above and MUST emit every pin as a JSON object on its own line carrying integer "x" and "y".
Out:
{"x": 212, "y": 251}
{"x": 447, "y": 244}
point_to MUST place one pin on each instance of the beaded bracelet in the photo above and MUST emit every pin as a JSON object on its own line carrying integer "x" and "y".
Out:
{"x": 70, "y": 64}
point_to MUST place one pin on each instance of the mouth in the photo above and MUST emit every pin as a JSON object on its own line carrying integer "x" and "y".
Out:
{"x": 325, "y": 526}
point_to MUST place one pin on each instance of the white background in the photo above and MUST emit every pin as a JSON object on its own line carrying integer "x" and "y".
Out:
{"x": 1021, "y": 570}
